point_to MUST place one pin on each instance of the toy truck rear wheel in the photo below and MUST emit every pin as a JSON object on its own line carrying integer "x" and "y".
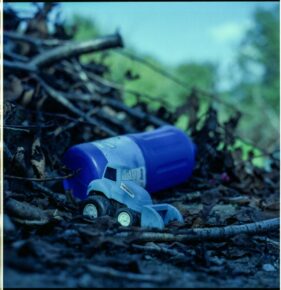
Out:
{"x": 127, "y": 217}
{"x": 95, "y": 206}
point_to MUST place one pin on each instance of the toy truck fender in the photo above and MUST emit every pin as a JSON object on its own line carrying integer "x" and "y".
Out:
{"x": 100, "y": 185}
{"x": 125, "y": 192}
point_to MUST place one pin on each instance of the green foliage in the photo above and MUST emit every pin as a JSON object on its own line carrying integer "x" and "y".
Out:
{"x": 149, "y": 82}
{"x": 260, "y": 54}
{"x": 259, "y": 161}
{"x": 259, "y": 88}
{"x": 257, "y": 91}
{"x": 85, "y": 28}
{"x": 200, "y": 75}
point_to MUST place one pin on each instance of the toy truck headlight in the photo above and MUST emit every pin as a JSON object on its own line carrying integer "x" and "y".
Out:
{"x": 125, "y": 188}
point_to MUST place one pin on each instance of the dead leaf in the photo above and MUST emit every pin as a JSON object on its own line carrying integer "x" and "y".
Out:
{"x": 38, "y": 158}
{"x": 13, "y": 88}
{"x": 27, "y": 96}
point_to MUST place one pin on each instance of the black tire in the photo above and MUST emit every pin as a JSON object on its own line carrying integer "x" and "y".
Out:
{"x": 95, "y": 206}
{"x": 130, "y": 217}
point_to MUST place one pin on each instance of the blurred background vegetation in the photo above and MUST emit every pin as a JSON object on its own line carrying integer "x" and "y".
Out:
{"x": 255, "y": 94}
{"x": 254, "y": 88}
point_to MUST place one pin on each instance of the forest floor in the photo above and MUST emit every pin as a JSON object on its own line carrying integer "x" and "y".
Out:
{"x": 53, "y": 101}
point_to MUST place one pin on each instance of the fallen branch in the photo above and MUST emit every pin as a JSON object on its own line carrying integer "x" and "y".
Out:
{"x": 62, "y": 52}
{"x": 62, "y": 99}
{"x": 15, "y": 129}
{"x": 31, "y": 223}
{"x": 24, "y": 210}
{"x": 55, "y": 197}
{"x": 39, "y": 179}
{"x": 15, "y": 56}
{"x": 73, "y": 123}
{"x": 74, "y": 49}
{"x": 47, "y": 125}
{"x": 137, "y": 113}
{"x": 33, "y": 40}
{"x": 216, "y": 233}
{"x": 102, "y": 114}
{"x": 17, "y": 66}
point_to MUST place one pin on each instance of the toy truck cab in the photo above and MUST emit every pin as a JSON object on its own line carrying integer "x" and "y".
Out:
{"x": 119, "y": 193}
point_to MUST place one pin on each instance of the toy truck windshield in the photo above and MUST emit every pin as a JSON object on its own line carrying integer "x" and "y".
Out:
{"x": 110, "y": 173}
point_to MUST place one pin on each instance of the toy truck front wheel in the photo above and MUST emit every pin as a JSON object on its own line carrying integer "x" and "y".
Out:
{"x": 95, "y": 206}
{"x": 127, "y": 217}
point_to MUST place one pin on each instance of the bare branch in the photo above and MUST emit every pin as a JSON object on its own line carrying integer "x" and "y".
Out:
{"x": 216, "y": 233}
{"x": 19, "y": 66}
{"x": 39, "y": 179}
{"x": 32, "y": 40}
{"x": 31, "y": 223}
{"x": 75, "y": 49}
{"x": 62, "y": 99}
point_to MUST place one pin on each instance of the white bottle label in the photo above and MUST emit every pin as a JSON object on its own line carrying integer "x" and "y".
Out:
{"x": 124, "y": 152}
{"x": 136, "y": 174}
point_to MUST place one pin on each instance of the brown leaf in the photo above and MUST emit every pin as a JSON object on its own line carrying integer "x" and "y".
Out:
{"x": 13, "y": 88}
{"x": 17, "y": 163}
{"x": 38, "y": 159}
{"x": 27, "y": 96}
{"x": 9, "y": 110}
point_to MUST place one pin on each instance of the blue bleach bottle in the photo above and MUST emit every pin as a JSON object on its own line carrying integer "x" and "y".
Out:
{"x": 156, "y": 160}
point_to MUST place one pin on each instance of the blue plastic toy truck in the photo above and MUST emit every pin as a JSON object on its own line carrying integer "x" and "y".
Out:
{"x": 117, "y": 194}
{"x": 118, "y": 175}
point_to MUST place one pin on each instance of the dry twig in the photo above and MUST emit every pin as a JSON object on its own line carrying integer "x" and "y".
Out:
{"x": 199, "y": 234}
